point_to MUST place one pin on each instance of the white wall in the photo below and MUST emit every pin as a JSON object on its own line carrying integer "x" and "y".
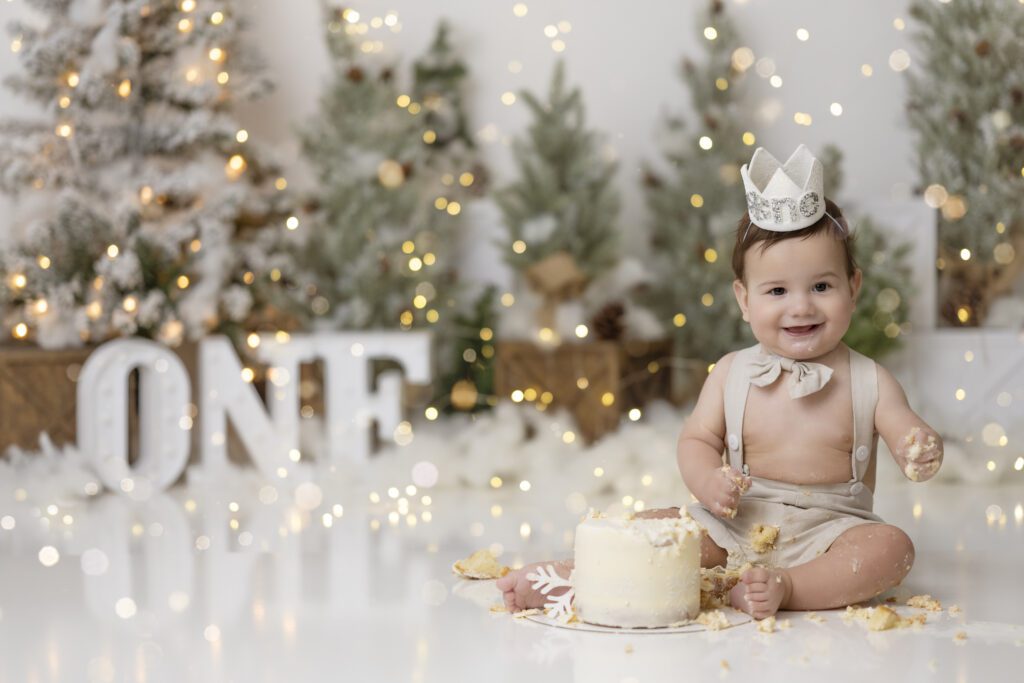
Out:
{"x": 625, "y": 56}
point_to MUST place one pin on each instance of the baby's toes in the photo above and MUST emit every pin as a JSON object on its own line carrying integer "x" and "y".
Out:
{"x": 507, "y": 582}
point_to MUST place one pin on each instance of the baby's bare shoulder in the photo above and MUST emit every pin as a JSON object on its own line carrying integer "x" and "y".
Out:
{"x": 889, "y": 388}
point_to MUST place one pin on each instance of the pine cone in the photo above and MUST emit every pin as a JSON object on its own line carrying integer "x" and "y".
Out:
{"x": 607, "y": 323}
{"x": 982, "y": 48}
{"x": 355, "y": 74}
{"x": 652, "y": 180}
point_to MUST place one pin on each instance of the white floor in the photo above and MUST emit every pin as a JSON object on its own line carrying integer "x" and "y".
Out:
{"x": 170, "y": 591}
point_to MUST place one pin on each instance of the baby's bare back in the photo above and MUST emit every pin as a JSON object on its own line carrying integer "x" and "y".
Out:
{"x": 804, "y": 440}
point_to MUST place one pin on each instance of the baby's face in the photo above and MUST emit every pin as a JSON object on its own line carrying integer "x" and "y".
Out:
{"x": 797, "y": 297}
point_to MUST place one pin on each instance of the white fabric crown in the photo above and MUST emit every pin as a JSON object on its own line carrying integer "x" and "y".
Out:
{"x": 784, "y": 197}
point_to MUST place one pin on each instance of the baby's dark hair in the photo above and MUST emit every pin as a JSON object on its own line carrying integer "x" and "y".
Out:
{"x": 747, "y": 238}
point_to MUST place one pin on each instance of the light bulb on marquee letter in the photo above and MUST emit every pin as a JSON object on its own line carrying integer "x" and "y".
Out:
{"x": 164, "y": 393}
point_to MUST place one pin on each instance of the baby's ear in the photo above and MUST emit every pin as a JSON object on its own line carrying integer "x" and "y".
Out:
{"x": 740, "y": 290}
{"x": 855, "y": 283}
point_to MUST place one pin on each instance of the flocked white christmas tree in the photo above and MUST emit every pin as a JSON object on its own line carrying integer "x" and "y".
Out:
{"x": 144, "y": 206}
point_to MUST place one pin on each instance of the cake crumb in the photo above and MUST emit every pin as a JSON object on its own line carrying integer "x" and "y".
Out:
{"x": 763, "y": 537}
{"x": 766, "y": 625}
{"x": 784, "y": 625}
{"x": 955, "y": 610}
{"x": 522, "y": 614}
{"x": 925, "y": 602}
{"x": 498, "y": 609}
{"x": 480, "y": 565}
{"x": 715, "y": 584}
{"x": 891, "y": 600}
{"x": 960, "y": 638}
{"x": 713, "y": 621}
{"x": 883, "y": 619}
{"x": 629, "y": 649}
{"x": 724, "y": 664}
{"x": 815, "y": 617}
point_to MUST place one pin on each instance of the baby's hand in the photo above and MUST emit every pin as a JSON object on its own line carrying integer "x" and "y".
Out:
{"x": 517, "y": 591}
{"x": 922, "y": 455}
{"x": 721, "y": 491}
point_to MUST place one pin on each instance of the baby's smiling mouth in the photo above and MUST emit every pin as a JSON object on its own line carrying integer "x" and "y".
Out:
{"x": 802, "y": 330}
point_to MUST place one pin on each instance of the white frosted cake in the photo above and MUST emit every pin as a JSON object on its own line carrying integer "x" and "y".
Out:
{"x": 637, "y": 572}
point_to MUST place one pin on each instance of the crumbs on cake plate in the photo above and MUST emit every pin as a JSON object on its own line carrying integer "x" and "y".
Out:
{"x": 713, "y": 620}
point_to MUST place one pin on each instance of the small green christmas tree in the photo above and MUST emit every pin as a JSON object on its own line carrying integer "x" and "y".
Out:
{"x": 562, "y": 200}
{"x": 379, "y": 251}
{"x": 167, "y": 222}
{"x": 453, "y": 175}
{"x": 694, "y": 207}
{"x": 468, "y": 380}
{"x": 966, "y": 104}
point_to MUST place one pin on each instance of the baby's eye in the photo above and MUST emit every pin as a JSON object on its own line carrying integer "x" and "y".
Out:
{"x": 777, "y": 291}
{"x": 821, "y": 287}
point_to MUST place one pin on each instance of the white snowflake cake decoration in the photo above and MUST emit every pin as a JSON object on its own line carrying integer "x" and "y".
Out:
{"x": 545, "y": 579}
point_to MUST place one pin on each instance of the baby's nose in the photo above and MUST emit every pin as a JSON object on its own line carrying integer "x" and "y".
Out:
{"x": 803, "y": 305}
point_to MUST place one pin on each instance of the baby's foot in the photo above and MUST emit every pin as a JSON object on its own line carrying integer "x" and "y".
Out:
{"x": 761, "y": 591}
{"x": 518, "y": 592}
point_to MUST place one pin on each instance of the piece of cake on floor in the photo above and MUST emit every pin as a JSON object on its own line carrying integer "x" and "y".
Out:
{"x": 637, "y": 572}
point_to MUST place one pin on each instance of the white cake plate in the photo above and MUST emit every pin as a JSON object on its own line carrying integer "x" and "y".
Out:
{"x": 733, "y": 616}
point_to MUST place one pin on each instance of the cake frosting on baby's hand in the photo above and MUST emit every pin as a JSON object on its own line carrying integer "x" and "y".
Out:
{"x": 921, "y": 454}
{"x": 721, "y": 489}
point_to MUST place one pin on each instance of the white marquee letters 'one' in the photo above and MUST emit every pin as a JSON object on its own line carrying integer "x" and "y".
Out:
{"x": 268, "y": 435}
{"x": 102, "y": 412}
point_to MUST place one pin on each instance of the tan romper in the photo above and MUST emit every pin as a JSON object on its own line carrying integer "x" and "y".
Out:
{"x": 810, "y": 517}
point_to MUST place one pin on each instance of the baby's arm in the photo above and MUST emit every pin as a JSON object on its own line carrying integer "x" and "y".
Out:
{"x": 700, "y": 448}
{"x": 915, "y": 446}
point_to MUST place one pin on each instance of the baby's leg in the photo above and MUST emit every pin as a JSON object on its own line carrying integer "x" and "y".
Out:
{"x": 712, "y": 554}
{"x": 862, "y": 563}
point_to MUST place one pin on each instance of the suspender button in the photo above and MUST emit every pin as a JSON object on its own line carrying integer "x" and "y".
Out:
{"x": 734, "y": 442}
{"x": 857, "y": 488}
{"x": 862, "y": 453}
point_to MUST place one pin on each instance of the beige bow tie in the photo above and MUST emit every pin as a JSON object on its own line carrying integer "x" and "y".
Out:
{"x": 805, "y": 378}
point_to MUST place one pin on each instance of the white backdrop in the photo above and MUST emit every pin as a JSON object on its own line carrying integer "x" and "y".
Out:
{"x": 625, "y": 56}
